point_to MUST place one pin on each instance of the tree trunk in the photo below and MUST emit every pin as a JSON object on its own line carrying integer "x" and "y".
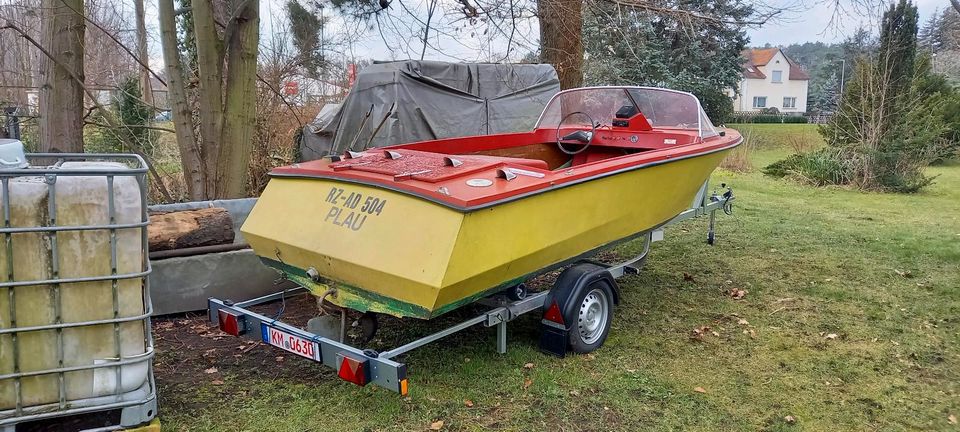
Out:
{"x": 190, "y": 157}
{"x": 210, "y": 69}
{"x": 189, "y": 228}
{"x": 61, "y": 96}
{"x": 561, "y": 39}
{"x": 241, "y": 97}
{"x": 146, "y": 88}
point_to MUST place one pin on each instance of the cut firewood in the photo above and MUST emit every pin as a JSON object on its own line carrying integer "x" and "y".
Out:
{"x": 190, "y": 228}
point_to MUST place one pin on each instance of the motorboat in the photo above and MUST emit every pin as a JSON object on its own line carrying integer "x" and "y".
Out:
{"x": 419, "y": 229}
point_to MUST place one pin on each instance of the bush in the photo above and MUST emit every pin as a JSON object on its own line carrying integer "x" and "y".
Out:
{"x": 818, "y": 168}
{"x": 767, "y": 118}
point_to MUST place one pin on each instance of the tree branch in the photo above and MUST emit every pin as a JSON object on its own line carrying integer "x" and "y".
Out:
{"x": 106, "y": 114}
{"x": 156, "y": 128}
{"x": 117, "y": 41}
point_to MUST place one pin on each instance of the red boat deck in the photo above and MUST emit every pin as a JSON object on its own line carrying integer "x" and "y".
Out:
{"x": 473, "y": 172}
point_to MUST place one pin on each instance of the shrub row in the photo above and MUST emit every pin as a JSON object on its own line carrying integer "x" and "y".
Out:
{"x": 767, "y": 118}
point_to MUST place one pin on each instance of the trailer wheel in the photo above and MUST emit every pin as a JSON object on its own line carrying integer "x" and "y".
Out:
{"x": 594, "y": 313}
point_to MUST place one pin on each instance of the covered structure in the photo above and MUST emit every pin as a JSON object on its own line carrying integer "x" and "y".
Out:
{"x": 409, "y": 101}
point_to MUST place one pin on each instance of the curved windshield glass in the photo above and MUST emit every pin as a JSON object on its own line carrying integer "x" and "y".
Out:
{"x": 662, "y": 108}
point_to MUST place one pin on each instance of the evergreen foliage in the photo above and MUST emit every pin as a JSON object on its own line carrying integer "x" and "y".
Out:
{"x": 896, "y": 117}
{"x": 133, "y": 115}
{"x": 632, "y": 47}
{"x": 306, "y": 28}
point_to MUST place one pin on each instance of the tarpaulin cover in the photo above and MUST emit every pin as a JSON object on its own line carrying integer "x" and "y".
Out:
{"x": 431, "y": 100}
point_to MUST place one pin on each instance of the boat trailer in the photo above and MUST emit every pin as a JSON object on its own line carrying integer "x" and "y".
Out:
{"x": 367, "y": 366}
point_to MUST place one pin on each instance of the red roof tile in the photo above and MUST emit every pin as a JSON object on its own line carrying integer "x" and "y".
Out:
{"x": 762, "y": 56}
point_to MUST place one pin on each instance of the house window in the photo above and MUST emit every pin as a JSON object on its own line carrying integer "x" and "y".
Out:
{"x": 777, "y": 76}
{"x": 789, "y": 102}
{"x": 759, "y": 101}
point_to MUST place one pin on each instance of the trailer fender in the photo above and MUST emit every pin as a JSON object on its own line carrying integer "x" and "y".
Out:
{"x": 570, "y": 286}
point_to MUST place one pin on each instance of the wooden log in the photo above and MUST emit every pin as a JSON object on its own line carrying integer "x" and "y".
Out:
{"x": 189, "y": 228}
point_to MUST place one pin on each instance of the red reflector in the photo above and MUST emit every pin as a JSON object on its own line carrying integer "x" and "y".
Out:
{"x": 231, "y": 323}
{"x": 553, "y": 314}
{"x": 352, "y": 370}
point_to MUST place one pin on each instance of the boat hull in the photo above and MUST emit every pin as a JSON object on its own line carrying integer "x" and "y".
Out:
{"x": 416, "y": 258}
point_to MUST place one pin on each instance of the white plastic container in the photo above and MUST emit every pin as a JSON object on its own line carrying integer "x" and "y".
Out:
{"x": 74, "y": 306}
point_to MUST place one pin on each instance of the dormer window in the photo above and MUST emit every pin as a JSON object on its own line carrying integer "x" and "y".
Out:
{"x": 777, "y": 76}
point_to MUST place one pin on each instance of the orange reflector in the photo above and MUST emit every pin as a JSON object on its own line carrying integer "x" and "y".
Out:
{"x": 230, "y": 323}
{"x": 403, "y": 387}
{"x": 553, "y": 314}
{"x": 353, "y": 370}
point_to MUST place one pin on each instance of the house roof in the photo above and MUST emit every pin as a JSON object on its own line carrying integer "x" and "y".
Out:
{"x": 761, "y": 56}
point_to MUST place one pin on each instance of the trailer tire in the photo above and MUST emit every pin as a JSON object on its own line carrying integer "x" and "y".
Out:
{"x": 593, "y": 315}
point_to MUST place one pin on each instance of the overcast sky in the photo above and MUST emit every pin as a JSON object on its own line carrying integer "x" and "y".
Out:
{"x": 811, "y": 22}
{"x": 806, "y": 21}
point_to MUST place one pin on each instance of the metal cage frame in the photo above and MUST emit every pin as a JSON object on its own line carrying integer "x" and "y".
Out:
{"x": 137, "y": 406}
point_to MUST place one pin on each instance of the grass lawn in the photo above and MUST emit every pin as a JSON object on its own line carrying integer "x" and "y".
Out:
{"x": 851, "y": 321}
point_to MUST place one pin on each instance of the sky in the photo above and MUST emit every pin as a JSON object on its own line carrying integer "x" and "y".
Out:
{"x": 811, "y": 22}
{"x": 804, "y": 21}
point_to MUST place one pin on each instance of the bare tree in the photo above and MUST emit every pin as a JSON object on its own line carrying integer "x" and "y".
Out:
{"x": 227, "y": 69}
{"x": 561, "y": 41}
{"x": 61, "y": 95}
{"x": 145, "y": 84}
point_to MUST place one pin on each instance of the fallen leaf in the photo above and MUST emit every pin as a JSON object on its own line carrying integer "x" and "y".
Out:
{"x": 700, "y": 390}
{"x": 437, "y": 425}
{"x": 527, "y": 383}
{"x": 212, "y": 370}
{"x": 468, "y": 403}
{"x": 790, "y": 419}
{"x": 279, "y": 359}
{"x": 715, "y": 333}
{"x": 831, "y": 336}
{"x": 904, "y": 273}
{"x": 528, "y": 366}
{"x": 574, "y": 393}
{"x": 217, "y": 382}
{"x": 688, "y": 277}
{"x": 952, "y": 419}
{"x": 697, "y": 333}
{"x": 742, "y": 321}
{"x": 737, "y": 293}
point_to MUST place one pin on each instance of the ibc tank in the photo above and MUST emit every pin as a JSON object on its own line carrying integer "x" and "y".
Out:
{"x": 74, "y": 305}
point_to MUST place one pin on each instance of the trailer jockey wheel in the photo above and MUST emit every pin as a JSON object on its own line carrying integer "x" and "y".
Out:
{"x": 594, "y": 313}
{"x": 517, "y": 292}
{"x": 368, "y": 327}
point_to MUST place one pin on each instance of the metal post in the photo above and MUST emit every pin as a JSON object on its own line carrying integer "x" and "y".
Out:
{"x": 502, "y": 337}
{"x": 11, "y": 297}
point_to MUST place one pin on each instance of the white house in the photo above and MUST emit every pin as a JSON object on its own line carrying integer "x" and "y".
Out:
{"x": 771, "y": 80}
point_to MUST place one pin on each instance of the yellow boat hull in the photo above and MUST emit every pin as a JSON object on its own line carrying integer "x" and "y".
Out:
{"x": 413, "y": 257}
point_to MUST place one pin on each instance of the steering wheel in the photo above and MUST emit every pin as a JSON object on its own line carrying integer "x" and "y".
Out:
{"x": 581, "y": 136}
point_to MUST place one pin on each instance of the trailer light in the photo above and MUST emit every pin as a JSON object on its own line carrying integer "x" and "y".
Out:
{"x": 353, "y": 370}
{"x": 232, "y": 323}
{"x": 553, "y": 314}
{"x": 403, "y": 387}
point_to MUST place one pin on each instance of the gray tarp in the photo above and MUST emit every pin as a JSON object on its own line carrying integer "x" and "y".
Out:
{"x": 432, "y": 100}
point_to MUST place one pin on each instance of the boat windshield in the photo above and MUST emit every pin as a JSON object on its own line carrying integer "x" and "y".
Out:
{"x": 662, "y": 108}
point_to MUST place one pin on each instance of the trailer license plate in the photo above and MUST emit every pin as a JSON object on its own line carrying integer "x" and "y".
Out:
{"x": 289, "y": 342}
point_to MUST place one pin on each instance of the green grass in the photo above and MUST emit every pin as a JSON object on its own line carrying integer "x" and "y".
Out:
{"x": 815, "y": 263}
